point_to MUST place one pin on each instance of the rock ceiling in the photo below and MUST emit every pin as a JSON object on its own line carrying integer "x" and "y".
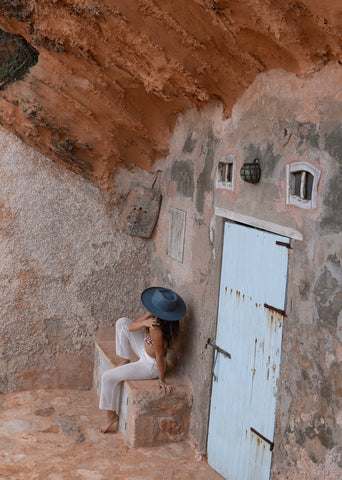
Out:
{"x": 113, "y": 76}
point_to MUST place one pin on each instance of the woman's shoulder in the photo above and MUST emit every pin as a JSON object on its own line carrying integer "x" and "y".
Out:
{"x": 156, "y": 334}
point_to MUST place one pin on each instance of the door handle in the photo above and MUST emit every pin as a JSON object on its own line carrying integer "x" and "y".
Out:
{"x": 217, "y": 348}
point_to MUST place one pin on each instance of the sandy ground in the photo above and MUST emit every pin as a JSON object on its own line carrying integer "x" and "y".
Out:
{"x": 53, "y": 435}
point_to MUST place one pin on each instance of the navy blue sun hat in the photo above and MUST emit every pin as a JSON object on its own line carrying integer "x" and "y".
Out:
{"x": 163, "y": 303}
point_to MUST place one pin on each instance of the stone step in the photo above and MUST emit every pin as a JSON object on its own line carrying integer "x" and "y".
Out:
{"x": 148, "y": 417}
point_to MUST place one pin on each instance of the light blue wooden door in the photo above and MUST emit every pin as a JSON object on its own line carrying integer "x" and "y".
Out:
{"x": 250, "y": 319}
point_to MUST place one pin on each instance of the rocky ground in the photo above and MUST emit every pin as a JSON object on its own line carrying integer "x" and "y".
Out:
{"x": 53, "y": 435}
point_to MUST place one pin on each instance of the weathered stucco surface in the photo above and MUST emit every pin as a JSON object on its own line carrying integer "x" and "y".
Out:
{"x": 187, "y": 185}
{"x": 280, "y": 119}
{"x": 66, "y": 270}
{"x": 113, "y": 76}
{"x": 300, "y": 120}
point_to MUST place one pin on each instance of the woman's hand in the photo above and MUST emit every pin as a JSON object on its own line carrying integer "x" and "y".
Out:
{"x": 147, "y": 320}
{"x": 165, "y": 387}
{"x": 150, "y": 320}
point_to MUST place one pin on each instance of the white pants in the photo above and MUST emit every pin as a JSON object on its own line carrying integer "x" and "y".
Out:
{"x": 144, "y": 369}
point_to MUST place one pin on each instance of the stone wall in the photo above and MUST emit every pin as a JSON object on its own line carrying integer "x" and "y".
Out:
{"x": 187, "y": 186}
{"x": 280, "y": 119}
{"x": 66, "y": 270}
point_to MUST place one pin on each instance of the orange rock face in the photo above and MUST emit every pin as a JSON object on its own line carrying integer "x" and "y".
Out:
{"x": 113, "y": 76}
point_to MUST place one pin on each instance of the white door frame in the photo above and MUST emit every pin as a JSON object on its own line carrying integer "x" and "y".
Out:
{"x": 258, "y": 223}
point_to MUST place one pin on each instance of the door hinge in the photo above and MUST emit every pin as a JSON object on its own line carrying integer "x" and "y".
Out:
{"x": 271, "y": 444}
{"x": 274, "y": 309}
{"x": 283, "y": 244}
{"x": 217, "y": 348}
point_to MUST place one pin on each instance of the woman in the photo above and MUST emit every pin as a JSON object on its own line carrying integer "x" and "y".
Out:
{"x": 149, "y": 336}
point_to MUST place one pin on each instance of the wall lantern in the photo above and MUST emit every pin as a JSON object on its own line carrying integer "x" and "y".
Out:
{"x": 251, "y": 172}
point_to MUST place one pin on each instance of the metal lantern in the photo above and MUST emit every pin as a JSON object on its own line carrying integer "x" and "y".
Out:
{"x": 251, "y": 172}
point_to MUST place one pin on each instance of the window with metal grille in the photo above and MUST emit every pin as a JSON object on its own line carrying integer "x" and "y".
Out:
{"x": 225, "y": 172}
{"x": 302, "y": 185}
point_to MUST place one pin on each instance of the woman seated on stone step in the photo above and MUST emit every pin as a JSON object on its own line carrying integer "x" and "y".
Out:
{"x": 150, "y": 336}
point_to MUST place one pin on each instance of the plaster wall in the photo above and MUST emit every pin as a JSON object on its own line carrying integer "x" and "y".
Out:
{"x": 280, "y": 119}
{"x": 187, "y": 185}
{"x": 283, "y": 119}
{"x": 66, "y": 270}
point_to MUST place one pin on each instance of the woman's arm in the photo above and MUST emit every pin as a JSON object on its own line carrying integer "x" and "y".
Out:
{"x": 159, "y": 348}
{"x": 146, "y": 320}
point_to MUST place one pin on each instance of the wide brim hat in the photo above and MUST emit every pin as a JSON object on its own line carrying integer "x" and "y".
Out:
{"x": 163, "y": 303}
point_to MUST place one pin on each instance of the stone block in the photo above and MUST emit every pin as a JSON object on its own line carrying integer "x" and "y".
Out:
{"x": 170, "y": 429}
{"x": 102, "y": 363}
{"x": 165, "y": 416}
{"x": 148, "y": 417}
{"x": 141, "y": 431}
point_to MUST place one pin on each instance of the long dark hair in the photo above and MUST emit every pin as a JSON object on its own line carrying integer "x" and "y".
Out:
{"x": 170, "y": 331}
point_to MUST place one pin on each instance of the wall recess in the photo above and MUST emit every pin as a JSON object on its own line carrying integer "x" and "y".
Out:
{"x": 177, "y": 234}
{"x": 302, "y": 185}
{"x": 225, "y": 172}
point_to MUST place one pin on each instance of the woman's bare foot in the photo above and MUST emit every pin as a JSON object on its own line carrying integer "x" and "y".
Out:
{"x": 112, "y": 418}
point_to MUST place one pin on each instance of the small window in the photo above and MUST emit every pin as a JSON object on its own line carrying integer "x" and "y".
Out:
{"x": 302, "y": 185}
{"x": 225, "y": 173}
